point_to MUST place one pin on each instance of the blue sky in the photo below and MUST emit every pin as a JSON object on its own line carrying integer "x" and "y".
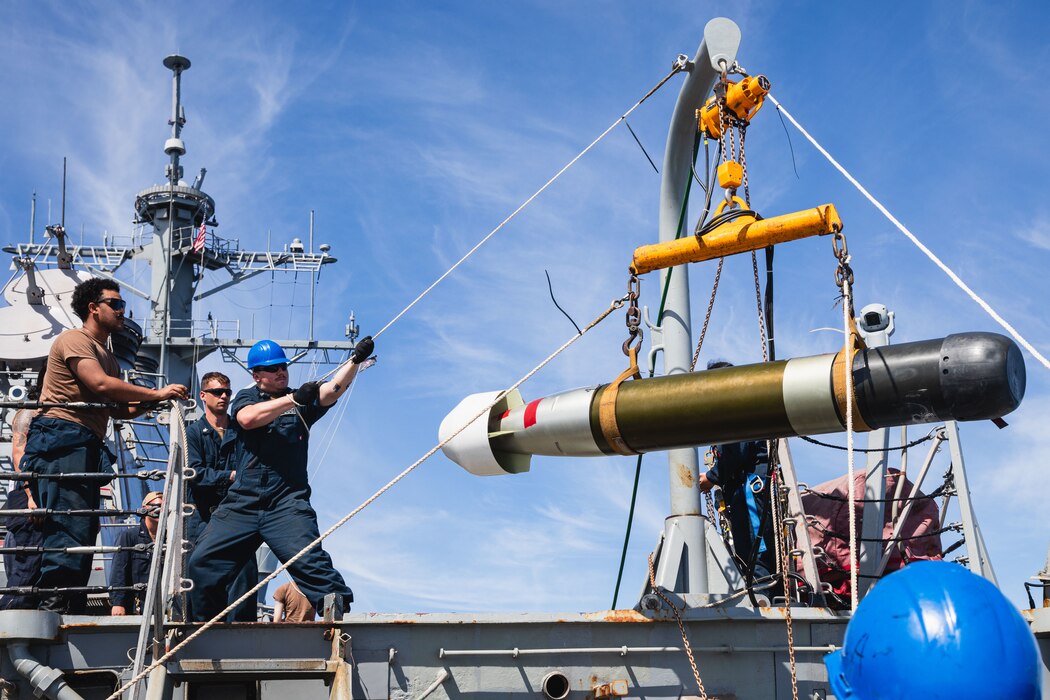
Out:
{"x": 414, "y": 128}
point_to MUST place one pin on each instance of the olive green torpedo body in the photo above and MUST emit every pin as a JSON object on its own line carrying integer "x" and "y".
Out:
{"x": 965, "y": 377}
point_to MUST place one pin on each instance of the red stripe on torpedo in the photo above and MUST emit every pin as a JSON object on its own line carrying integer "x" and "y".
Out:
{"x": 530, "y": 413}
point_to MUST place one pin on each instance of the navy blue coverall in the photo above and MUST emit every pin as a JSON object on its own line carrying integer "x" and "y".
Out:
{"x": 740, "y": 470}
{"x": 56, "y": 446}
{"x": 208, "y": 454}
{"x": 269, "y": 502}
{"x": 22, "y": 568}
{"x": 129, "y": 568}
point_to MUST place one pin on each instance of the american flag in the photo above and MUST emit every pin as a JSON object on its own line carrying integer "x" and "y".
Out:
{"x": 198, "y": 242}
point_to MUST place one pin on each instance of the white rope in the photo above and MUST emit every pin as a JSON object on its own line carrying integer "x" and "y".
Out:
{"x": 390, "y": 484}
{"x": 332, "y": 432}
{"x": 847, "y": 351}
{"x": 903, "y": 229}
{"x": 517, "y": 211}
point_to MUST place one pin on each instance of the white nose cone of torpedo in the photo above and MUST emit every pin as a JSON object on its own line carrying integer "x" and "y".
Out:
{"x": 471, "y": 448}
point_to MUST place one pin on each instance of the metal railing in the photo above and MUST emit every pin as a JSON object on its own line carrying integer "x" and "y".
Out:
{"x": 194, "y": 328}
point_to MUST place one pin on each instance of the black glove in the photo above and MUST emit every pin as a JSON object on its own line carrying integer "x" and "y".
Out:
{"x": 306, "y": 394}
{"x": 363, "y": 350}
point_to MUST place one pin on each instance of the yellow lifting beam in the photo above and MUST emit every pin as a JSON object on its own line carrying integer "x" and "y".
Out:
{"x": 738, "y": 236}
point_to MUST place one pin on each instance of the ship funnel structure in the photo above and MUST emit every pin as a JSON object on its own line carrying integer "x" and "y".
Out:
{"x": 964, "y": 377}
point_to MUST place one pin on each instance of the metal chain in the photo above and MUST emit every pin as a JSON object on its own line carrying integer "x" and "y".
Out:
{"x": 634, "y": 316}
{"x": 707, "y": 318}
{"x": 723, "y": 120}
{"x": 784, "y": 554}
{"x": 758, "y": 300}
{"x": 843, "y": 273}
{"x": 743, "y": 164}
{"x": 716, "y": 514}
{"x": 709, "y": 499}
{"x": 713, "y": 513}
{"x": 681, "y": 628}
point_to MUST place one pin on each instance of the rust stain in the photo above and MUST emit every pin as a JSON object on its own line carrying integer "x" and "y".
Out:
{"x": 685, "y": 475}
{"x": 625, "y": 616}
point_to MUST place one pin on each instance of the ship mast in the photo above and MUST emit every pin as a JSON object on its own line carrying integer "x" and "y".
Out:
{"x": 683, "y": 560}
{"x": 173, "y": 340}
{"x": 176, "y": 211}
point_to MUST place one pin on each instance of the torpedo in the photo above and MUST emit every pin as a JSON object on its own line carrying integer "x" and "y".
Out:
{"x": 963, "y": 377}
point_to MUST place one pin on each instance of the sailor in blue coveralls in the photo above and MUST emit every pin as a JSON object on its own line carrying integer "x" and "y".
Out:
{"x": 270, "y": 499}
{"x": 210, "y": 444}
{"x": 131, "y": 566}
{"x": 21, "y": 567}
{"x": 740, "y": 470}
{"x": 65, "y": 440}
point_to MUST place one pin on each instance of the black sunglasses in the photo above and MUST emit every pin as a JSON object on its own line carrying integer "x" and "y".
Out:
{"x": 115, "y": 304}
{"x": 218, "y": 392}
{"x": 271, "y": 368}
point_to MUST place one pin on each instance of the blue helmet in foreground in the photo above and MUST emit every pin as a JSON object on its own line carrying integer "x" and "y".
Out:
{"x": 266, "y": 353}
{"x": 935, "y": 630}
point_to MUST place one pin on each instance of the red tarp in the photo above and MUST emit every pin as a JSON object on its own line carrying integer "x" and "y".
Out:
{"x": 831, "y": 515}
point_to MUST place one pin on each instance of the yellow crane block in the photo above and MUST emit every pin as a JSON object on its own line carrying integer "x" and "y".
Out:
{"x": 738, "y": 236}
{"x": 743, "y": 100}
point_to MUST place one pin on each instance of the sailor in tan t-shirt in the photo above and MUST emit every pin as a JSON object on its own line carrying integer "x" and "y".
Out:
{"x": 65, "y": 440}
{"x": 290, "y": 605}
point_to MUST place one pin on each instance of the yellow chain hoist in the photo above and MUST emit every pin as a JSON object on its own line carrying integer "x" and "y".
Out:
{"x": 725, "y": 117}
{"x": 742, "y": 100}
{"x": 732, "y": 107}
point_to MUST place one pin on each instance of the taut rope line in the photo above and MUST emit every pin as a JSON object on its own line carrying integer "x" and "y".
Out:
{"x": 911, "y": 236}
{"x": 678, "y": 67}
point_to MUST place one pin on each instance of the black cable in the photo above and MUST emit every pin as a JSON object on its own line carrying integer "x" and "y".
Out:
{"x": 637, "y": 141}
{"x": 911, "y": 444}
{"x": 709, "y": 189}
{"x": 551, "y": 289}
{"x": 790, "y": 147}
{"x": 845, "y": 537}
{"x": 724, "y": 218}
{"x": 1028, "y": 586}
{"x": 843, "y": 499}
{"x": 770, "y": 344}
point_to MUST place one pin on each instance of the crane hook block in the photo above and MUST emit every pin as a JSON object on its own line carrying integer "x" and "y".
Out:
{"x": 741, "y": 235}
{"x": 742, "y": 102}
{"x": 730, "y": 175}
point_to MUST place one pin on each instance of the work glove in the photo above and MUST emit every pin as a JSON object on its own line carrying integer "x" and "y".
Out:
{"x": 306, "y": 394}
{"x": 363, "y": 350}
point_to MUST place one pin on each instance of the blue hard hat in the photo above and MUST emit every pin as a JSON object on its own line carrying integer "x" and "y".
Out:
{"x": 936, "y": 630}
{"x": 266, "y": 353}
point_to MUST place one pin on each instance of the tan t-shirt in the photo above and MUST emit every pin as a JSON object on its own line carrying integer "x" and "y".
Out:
{"x": 296, "y": 607}
{"x": 62, "y": 386}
